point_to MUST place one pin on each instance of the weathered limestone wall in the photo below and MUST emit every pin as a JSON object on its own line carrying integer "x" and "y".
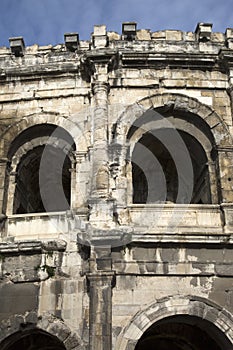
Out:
{"x": 99, "y": 275}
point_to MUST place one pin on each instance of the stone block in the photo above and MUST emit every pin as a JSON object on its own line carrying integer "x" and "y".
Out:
{"x": 143, "y": 34}
{"x": 189, "y": 36}
{"x": 160, "y": 35}
{"x": 100, "y": 41}
{"x": 224, "y": 270}
{"x": 113, "y": 36}
{"x": 59, "y": 330}
{"x": 18, "y": 298}
{"x": 175, "y": 35}
{"x": 218, "y": 37}
{"x": 100, "y": 30}
{"x": 99, "y": 37}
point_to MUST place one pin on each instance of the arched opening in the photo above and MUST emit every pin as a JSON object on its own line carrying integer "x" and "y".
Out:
{"x": 32, "y": 339}
{"x": 41, "y": 163}
{"x": 55, "y": 184}
{"x": 159, "y": 172}
{"x": 183, "y": 332}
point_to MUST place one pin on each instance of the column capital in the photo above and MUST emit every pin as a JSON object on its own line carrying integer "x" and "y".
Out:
{"x": 80, "y": 156}
{"x": 100, "y": 86}
{"x": 96, "y": 65}
{"x": 101, "y": 278}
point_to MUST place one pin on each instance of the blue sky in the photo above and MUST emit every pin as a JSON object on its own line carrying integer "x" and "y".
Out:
{"x": 45, "y": 21}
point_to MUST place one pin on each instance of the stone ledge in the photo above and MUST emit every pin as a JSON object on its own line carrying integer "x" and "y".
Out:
{"x": 189, "y": 268}
{"x": 31, "y": 246}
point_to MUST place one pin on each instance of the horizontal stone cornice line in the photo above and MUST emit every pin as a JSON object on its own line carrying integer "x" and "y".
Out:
{"x": 32, "y": 246}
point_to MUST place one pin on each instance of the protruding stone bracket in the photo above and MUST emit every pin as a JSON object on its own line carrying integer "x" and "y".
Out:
{"x": 229, "y": 38}
{"x": 226, "y": 58}
{"x": 17, "y": 46}
{"x": 71, "y": 41}
{"x": 203, "y": 31}
{"x": 129, "y": 30}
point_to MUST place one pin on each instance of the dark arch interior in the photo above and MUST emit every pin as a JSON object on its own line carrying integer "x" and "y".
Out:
{"x": 39, "y": 131}
{"x": 159, "y": 114}
{"x": 32, "y": 340}
{"x": 183, "y": 333}
{"x": 151, "y": 158}
{"x": 43, "y": 185}
{"x": 43, "y": 177}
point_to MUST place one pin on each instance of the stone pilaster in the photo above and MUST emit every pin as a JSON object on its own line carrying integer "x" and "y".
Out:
{"x": 227, "y": 59}
{"x": 79, "y": 175}
{"x": 214, "y": 190}
{"x": 225, "y": 157}
{"x": 100, "y": 314}
{"x": 230, "y": 89}
{"x": 100, "y": 184}
{"x": 11, "y": 192}
{"x": 3, "y": 185}
{"x": 100, "y": 204}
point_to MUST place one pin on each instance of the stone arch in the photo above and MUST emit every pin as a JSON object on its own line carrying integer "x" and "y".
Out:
{"x": 40, "y": 141}
{"x": 182, "y": 113}
{"x": 46, "y": 323}
{"x": 176, "y": 102}
{"x": 179, "y": 124}
{"x": 72, "y": 125}
{"x": 29, "y": 156}
{"x": 171, "y": 306}
{"x": 78, "y": 134}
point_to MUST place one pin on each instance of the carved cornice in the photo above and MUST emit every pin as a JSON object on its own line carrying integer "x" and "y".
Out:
{"x": 92, "y": 60}
{"x": 155, "y": 59}
{"x": 31, "y": 246}
{"x": 32, "y": 71}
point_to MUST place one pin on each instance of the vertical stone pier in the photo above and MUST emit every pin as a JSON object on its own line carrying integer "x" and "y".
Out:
{"x": 3, "y": 185}
{"x": 100, "y": 204}
{"x": 100, "y": 288}
{"x": 100, "y": 276}
{"x": 100, "y": 184}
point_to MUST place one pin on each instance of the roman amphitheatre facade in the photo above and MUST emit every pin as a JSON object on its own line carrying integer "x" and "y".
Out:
{"x": 116, "y": 191}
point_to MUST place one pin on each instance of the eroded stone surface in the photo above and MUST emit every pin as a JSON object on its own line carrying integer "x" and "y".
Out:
{"x": 135, "y": 246}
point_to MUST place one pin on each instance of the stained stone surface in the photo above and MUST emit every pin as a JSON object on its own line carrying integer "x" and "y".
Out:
{"x": 121, "y": 238}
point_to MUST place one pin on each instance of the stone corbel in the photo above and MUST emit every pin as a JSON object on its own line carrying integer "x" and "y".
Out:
{"x": 80, "y": 156}
{"x": 229, "y": 38}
